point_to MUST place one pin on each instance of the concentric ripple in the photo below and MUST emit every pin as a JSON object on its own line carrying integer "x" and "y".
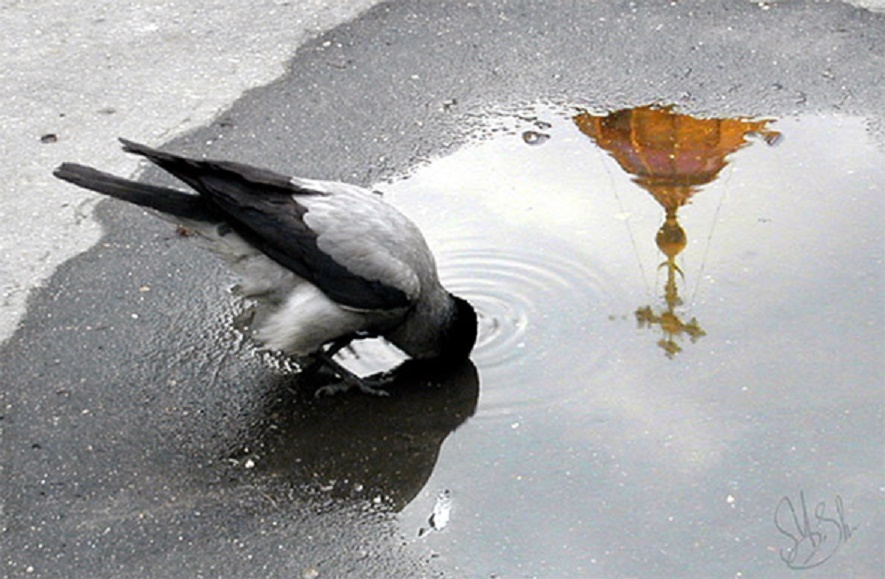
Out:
{"x": 530, "y": 302}
{"x": 544, "y": 312}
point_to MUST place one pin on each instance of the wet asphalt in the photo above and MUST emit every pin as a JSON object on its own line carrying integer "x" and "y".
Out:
{"x": 142, "y": 437}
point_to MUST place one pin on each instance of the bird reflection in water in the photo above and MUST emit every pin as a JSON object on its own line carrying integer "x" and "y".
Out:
{"x": 671, "y": 156}
{"x": 363, "y": 448}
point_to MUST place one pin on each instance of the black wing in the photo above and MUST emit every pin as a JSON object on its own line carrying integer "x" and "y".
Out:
{"x": 260, "y": 206}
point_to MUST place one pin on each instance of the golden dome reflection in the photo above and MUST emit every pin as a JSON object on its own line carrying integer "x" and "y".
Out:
{"x": 671, "y": 156}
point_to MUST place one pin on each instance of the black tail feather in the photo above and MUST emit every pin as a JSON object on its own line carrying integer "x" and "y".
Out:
{"x": 155, "y": 155}
{"x": 162, "y": 199}
{"x": 203, "y": 174}
{"x": 184, "y": 169}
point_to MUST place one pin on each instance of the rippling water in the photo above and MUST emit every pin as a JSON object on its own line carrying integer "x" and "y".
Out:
{"x": 538, "y": 251}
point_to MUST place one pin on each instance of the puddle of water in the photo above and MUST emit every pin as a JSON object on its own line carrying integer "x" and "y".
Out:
{"x": 662, "y": 356}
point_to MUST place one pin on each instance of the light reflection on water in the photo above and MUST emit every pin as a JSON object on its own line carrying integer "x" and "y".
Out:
{"x": 589, "y": 411}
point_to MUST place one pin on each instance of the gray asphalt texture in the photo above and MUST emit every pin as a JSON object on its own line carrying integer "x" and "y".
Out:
{"x": 143, "y": 438}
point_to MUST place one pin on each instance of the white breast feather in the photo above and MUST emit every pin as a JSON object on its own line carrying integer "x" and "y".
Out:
{"x": 307, "y": 320}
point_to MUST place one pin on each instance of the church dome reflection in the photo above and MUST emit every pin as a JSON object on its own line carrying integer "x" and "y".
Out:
{"x": 671, "y": 156}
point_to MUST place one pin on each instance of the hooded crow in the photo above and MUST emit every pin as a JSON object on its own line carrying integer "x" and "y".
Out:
{"x": 325, "y": 262}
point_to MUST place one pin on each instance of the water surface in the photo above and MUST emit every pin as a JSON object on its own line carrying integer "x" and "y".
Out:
{"x": 643, "y": 414}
